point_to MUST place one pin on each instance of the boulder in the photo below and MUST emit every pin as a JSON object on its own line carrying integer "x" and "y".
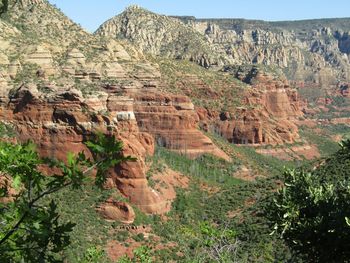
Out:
{"x": 113, "y": 210}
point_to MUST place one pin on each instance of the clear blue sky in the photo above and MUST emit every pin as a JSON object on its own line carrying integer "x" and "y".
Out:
{"x": 91, "y": 13}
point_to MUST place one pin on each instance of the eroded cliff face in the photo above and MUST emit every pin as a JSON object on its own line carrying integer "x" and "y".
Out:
{"x": 60, "y": 119}
{"x": 318, "y": 54}
{"x": 62, "y": 122}
{"x": 170, "y": 118}
{"x": 62, "y": 88}
{"x": 268, "y": 115}
{"x": 314, "y": 51}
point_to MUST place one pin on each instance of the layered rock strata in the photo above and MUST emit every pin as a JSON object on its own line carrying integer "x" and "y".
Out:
{"x": 309, "y": 51}
{"x": 171, "y": 119}
{"x": 268, "y": 115}
{"x": 43, "y": 58}
{"x": 63, "y": 121}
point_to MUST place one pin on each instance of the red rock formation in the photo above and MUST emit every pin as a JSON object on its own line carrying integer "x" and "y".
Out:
{"x": 171, "y": 119}
{"x": 60, "y": 122}
{"x": 166, "y": 184}
{"x": 267, "y": 117}
{"x": 113, "y": 210}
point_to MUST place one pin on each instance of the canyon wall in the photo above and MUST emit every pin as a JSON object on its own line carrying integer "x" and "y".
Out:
{"x": 267, "y": 115}
{"x": 63, "y": 86}
{"x": 315, "y": 51}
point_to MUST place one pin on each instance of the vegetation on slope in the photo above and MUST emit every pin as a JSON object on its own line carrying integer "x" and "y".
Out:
{"x": 31, "y": 227}
{"x": 162, "y": 35}
{"x": 235, "y": 205}
{"x": 216, "y": 210}
{"x": 209, "y": 89}
{"x": 312, "y": 210}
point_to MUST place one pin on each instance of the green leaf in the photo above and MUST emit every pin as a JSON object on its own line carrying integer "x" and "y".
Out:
{"x": 17, "y": 183}
{"x": 36, "y": 225}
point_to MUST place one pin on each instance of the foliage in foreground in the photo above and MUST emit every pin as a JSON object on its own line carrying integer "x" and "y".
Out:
{"x": 30, "y": 225}
{"x": 227, "y": 216}
{"x": 312, "y": 210}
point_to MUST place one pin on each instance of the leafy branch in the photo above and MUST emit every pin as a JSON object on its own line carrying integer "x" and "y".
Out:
{"x": 30, "y": 228}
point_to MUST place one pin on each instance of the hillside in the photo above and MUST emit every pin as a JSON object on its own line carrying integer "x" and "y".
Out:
{"x": 38, "y": 23}
{"x": 307, "y": 51}
{"x": 312, "y": 55}
{"x": 211, "y": 128}
{"x": 162, "y": 35}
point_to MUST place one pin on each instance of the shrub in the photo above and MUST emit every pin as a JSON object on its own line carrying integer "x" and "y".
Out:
{"x": 311, "y": 211}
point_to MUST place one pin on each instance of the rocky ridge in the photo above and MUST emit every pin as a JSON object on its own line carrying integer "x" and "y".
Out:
{"x": 307, "y": 51}
{"x": 316, "y": 53}
{"x": 245, "y": 105}
{"x": 162, "y": 35}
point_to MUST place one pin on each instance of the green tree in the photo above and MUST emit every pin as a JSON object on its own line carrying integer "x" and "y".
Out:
{"x": 6, "y": 131}
{"x": 30, "y": 226}
{"x": 311, "y": 211}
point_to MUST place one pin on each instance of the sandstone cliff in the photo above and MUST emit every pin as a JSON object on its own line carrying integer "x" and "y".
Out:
{"x": 60, "y": 84}
{"x": 61, "y": 122}
{"x": 268, "y": 113}
{"x": 246, "y": 105}
{"x": 308, "y": 51}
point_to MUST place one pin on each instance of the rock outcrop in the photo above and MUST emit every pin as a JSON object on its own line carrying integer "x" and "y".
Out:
{"x": 166, "y": 183}
{"x": 63, "y": 121}
{"x": 174, "y": 123}
{"x": 76, "y": 58}
{"x": 171, "y": 119}
{"x": 163, "y": 35}
{"x": 113, "y": 210}
{"x": 267, "y": 116}
{"x": 42, "y": 58}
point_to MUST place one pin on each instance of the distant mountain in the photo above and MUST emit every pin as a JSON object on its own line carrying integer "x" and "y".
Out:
{"x": 163, "y": 35}
{"x": 315, "y": 51}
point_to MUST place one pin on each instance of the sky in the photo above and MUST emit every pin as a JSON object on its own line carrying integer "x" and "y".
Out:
{"x": 92, "y": 13}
